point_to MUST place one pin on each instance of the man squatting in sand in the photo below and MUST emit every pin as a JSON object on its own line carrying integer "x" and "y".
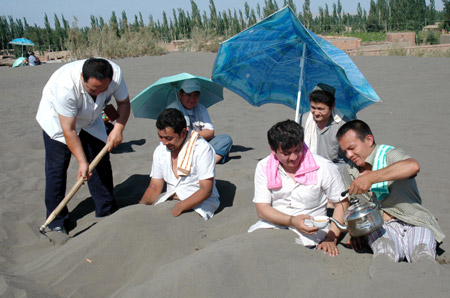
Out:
{"x": 186, "y": 162}
{"x": 293, "y": 185}
{"x": 70, "y": 114}
{"x": 409, "y": 231}
{"x": 197, "y": 118}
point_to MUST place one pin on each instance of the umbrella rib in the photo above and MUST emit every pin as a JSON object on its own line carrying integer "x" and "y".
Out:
{"x": 267, "y": 73}
{"x": 263, "y": 50}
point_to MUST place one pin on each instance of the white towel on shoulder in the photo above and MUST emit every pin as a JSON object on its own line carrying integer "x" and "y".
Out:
{"x": 311, "y": 133}
{"x": 186, "y": 154}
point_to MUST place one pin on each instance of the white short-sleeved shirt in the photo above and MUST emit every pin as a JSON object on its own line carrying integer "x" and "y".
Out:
{"x": 197, "y": 118}
{"x": 203, "y": 167}
{"x": 294, "y": 198}
{"x": 64, "y": 94}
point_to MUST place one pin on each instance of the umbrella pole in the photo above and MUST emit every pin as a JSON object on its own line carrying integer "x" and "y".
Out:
{"x": 300, "y": 84}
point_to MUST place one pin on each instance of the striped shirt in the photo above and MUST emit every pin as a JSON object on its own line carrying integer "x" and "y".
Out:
{"x": 404, "y": 201}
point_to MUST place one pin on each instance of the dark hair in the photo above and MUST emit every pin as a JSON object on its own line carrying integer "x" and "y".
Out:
{"x": 322, "y": 97}
{"x": 360, "y": 127}
{"x": 285, "y": 135}
{"x": 97, "y": 68}
{"x": 171, "y": 118}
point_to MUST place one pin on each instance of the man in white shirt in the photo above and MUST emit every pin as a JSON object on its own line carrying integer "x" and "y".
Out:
{"x": 195, "y": 189}
{"x": 292, "y": 186}
{"x": 197, "y": 118}
{"x": 70, "y": 115}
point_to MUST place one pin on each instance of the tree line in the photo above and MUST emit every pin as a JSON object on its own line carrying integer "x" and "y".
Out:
{"x": 120, "y": 36}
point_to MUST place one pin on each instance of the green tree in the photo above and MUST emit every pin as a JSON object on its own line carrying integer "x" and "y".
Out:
{"x": 165, "y": 30}
{"x": 5, "y": 33}
{"x": 247, "y": 14}
{"x": 214, "y": 22}
{"x": 446, "y": 15}
{"x": 58, "y": 34}
{"x": 269, "y": 7}
{"x": 340, "y": 17}
{"x": 327, "y": 19}
{"x": 432, "y": 38}
{"x": 431, "y": 12}
{"x": 177, "y": 26}
{"x": 307, "y": 15}
{"x": 253, "y": 19}
{"x": 196, "y": 17}
{"x": 359, "y": 12}
{"x": 113, "y": 24}
{"x": 48, "y": 32}
{"x": 123, "y": 25}
{"x": 291, "y": 5}
{"x": 136, "y": 24}
{"x": 373, "y": 24}
{"x": 101, "y": 23}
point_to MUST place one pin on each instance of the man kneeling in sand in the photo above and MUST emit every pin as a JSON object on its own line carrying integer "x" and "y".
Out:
{"x": 186, "y": 162}
{"x": 409, "y": 230}
{"x": 293, "y": 185}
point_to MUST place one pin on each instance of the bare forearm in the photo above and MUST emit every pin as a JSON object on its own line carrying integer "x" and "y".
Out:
{"x": 151, "y": 194}
{"x": 397, "y": 171}
{"x": 123, "y": 109}
{"x": 270, "y": 214}
{"x": 207, "y": 134}
{"x": 68, "y": 125}
{"x": 338, "y": 214}
{"x": 116, "y": 135}
{"x": 194, "y": 200}
{"x": 74, "y": 144}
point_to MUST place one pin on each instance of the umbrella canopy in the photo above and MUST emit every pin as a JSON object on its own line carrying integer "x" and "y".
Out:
{"x": 19, "y": 62}
{"x": 278, "y": 60}
{"x": 22, "y": 42}
{"x": 155, "y": 98}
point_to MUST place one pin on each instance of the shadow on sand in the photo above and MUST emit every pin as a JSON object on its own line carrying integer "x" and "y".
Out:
{"x": 127, "y": 146}
{"x": 131, "y": 190}
{"x": 238, "y": 148}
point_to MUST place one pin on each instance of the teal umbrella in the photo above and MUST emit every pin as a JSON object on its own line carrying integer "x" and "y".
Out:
{"x": 19, "y": 62}
{"x": 155, "y": 98}
{"x": 278, "y": 60}
{"x": 22, "y": 42}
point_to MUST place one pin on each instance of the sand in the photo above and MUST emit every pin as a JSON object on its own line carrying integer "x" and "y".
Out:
{"x": 142, "y": 251}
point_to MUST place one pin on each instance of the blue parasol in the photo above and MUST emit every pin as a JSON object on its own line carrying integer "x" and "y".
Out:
{"x": 278, "y": 60}
{"x": 22, "y": 42}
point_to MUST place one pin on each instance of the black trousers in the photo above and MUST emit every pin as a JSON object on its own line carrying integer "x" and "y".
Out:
{"x": 57, "y": 159}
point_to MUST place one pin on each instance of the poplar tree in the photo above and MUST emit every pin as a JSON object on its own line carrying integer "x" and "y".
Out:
{"x": 307, "y": 15}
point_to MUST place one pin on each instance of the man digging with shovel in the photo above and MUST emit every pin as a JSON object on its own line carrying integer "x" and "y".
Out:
{"x": 70, "y": 114}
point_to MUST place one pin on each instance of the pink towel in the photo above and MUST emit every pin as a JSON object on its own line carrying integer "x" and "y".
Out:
{"x": 306, "y": 173}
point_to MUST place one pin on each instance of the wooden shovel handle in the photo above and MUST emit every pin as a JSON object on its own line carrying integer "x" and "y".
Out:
{"x": 74, "y": 189}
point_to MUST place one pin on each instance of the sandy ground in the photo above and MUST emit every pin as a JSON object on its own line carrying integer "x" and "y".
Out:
{"x": 142, "y": 251}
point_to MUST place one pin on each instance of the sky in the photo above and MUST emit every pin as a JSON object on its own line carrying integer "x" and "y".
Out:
{"x": 34, "y": 10}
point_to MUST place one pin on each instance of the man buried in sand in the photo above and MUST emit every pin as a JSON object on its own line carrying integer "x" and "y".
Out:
{"x": 292, "y": 186}
{"x": 386, "y": 175}
{"x": 186, "y": 162}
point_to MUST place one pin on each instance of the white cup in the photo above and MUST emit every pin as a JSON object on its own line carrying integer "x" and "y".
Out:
{"x": 320, "y": 221}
